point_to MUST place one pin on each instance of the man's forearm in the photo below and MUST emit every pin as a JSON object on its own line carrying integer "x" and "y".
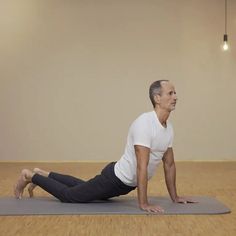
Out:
{"x": 170, "y": 177}
{"x": 142, "y": 187}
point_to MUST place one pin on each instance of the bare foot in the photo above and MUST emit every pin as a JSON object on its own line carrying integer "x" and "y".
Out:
{"x": 41, "y": 172}
{"x": 24, "y": 179}
{"x": 31, "y": 189}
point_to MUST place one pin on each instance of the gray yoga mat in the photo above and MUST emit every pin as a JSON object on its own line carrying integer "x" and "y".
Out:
{"x": 116, "y": 206}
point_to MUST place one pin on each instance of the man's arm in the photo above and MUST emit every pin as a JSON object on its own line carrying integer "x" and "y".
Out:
{"x": 170, "y": 173}
{"x": 170, "y": 177}
{"x": 142, "y": 155}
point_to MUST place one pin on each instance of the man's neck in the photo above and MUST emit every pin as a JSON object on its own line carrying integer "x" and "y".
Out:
{"x": 162, "y": 115}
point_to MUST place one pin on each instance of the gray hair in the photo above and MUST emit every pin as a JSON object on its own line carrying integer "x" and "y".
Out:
{"x": 155, "y": 88}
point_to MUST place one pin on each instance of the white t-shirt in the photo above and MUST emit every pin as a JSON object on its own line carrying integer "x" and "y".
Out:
{"x": 146, "y": 131}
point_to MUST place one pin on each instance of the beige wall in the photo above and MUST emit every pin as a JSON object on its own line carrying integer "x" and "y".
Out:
{"x": 75, "y": 74}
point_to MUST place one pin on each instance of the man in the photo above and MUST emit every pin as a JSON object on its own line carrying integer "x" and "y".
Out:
{"x": 149, "y": 141}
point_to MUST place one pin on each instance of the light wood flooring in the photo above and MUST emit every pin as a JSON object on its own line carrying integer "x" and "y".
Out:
{"x": 217, "y": 179}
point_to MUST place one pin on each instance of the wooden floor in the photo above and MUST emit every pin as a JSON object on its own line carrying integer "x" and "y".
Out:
{"x": 217, "y": 179}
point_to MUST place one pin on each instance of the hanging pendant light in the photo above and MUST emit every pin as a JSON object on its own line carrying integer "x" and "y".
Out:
{"x": 225, "y": 38}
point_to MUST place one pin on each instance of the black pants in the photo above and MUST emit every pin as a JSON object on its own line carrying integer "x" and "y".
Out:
{"x": 70, "y": 189}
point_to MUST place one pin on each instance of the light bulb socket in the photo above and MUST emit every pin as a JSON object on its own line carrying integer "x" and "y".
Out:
{"x": 225, "y": 38}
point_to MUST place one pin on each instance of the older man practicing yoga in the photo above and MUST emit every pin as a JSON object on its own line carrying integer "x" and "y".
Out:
{"x": 149, "y": 141}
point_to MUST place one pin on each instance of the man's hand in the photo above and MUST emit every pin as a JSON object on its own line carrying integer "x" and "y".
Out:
{"x": 184, "y": 200}
{"x": 151, "y": 208}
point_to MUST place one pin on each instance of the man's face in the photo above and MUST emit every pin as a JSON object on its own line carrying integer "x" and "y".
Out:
{"x": 168, "y": 98}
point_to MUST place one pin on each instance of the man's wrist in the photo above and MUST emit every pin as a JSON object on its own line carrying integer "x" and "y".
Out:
{"x": 143, "y": 204}
{"x": 175, "y": 199}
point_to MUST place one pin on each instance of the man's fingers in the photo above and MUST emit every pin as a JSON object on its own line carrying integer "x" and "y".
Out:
{"x": 160, "y": 210}
{"x": 154, "y": 209}
{"x": 185, "y": 201}
{"x": 157, "y": 210}
{"x": 192, "y": 201}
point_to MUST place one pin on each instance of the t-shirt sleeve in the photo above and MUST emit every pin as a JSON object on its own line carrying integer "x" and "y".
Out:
{"x": 142, "y": 132}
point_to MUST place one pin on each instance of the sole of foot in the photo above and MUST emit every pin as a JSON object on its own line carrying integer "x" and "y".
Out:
{"x": 21, "y": 183}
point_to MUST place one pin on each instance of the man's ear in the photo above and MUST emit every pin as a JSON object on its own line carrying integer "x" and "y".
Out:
{"x": 157, "y": 98}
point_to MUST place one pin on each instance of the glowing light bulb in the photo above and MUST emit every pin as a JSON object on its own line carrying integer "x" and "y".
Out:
{"x": 225, "y": 46}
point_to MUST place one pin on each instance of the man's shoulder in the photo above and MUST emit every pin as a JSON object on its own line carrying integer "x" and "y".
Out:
{"x": 146, "y": 115}
{"x": 144, "y": 118}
